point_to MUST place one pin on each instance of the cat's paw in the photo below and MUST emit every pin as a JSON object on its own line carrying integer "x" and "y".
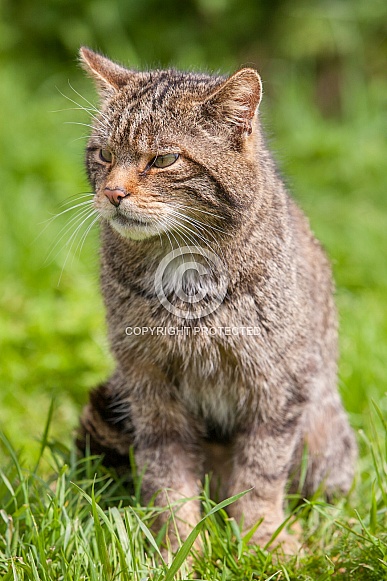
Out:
{"x": 285, "y": 542}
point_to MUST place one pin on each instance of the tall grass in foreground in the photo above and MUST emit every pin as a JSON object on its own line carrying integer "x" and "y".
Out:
{"x": 71, "y": 519}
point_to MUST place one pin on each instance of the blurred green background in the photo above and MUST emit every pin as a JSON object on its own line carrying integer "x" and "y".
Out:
{"x": 323, "y": 63}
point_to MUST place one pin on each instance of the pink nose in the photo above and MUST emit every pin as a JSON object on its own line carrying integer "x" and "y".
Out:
{"x": 115, "y": 196}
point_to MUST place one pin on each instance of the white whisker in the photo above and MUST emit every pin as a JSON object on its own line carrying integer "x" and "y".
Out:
{"x": 66, "y": 228}
{"x": 195, "y": 233}
{"x": 195, "y": 223}
{"x": 78, "y": 123}
{"x": 204, "y": 229}
{"x": 185, "y": 236}
{"x": 185, "y": 207}
{"x": 172, "y": 224}
{"x": 81, "y": 137}
{"x": 50, "y": 220}
{"x": 75, "y": 198}
{"x": 71, "y": 240}
{"x": 175, "y": 239}
{"x": 84, "y": 203}
{"x": 85, "y": 234}
{"x": 202, "y": 233}
{"x": 206, "y": 225}
{"x": 161, "y": 231}
{"x": 95, "y": 117}
{"x": 92, "y": 107}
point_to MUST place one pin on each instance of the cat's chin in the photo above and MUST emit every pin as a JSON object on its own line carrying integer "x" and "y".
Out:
{"x": 135, "y": 231}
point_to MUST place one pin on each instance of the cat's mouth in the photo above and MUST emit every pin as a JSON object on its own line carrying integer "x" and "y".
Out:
{"x": 128, "y": 221}
{"x": 132, "y": 226}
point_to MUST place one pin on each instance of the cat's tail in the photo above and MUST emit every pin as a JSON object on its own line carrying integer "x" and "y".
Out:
{"x": 103, "y": 430}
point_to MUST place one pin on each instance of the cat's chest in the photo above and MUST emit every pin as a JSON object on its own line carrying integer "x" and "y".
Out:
{"x": 214, "y": 403}
{"x": 215, "y": 392}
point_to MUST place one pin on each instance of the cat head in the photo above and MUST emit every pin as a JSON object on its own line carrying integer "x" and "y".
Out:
{"x": 172, "y": 153}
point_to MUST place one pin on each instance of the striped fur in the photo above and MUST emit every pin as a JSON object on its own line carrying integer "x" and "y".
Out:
{"x": 243, "y": 406}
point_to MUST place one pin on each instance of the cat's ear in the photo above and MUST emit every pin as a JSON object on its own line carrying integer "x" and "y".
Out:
{"x": 108, "y": 76}
{"x": 236, "y": 101}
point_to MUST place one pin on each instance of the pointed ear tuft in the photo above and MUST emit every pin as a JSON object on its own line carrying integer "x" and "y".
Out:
{"x": 236, "y": 101}
{"x": 108, "y": 76}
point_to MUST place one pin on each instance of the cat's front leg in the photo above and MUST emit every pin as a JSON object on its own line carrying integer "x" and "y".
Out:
{"x": 128, "y": 410}
{"x": 168, "y": 459}
{"x": 262, "y": 459}
{"x": 171, "y": 479}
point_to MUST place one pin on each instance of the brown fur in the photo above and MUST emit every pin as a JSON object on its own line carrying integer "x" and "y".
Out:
{"x": 241, "y": 405}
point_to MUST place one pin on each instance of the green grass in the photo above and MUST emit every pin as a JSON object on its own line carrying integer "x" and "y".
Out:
{"x": 63, "y": 518}
{"x": 80, "y": 522}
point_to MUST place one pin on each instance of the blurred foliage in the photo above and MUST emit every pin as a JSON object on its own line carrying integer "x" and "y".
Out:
{"x": 323, "y": 64}
{"x": 324, "y": 36}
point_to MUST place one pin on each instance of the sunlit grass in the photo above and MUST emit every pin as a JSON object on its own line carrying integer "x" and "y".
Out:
{"x": 70, "y": 518}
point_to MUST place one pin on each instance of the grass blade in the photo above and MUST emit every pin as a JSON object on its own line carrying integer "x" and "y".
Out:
{"x": 184, "y": 550}
{"x": 101, "y": 542}
{"x": 147, "y": 534}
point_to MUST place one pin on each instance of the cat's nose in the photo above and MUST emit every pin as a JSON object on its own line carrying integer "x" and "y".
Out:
{"x": 115, "y": 196}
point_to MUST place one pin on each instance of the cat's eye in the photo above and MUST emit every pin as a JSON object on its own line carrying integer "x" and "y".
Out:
{"x": 106, "y": 155}
{"x": 166, "y": 160}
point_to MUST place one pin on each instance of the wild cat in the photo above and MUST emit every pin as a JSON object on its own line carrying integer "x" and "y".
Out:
{"x": 247, "y": 376}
